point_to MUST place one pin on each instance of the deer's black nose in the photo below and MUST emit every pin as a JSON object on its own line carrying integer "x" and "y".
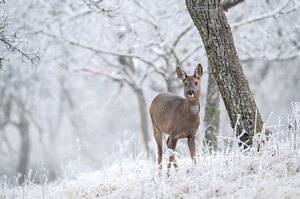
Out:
{"x": 191, "y": 92}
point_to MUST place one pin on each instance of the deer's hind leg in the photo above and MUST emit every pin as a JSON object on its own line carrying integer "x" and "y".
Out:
{"x": 158, "y": 138}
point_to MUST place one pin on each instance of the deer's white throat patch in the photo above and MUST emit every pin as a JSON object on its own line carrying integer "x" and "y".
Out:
{"x": 194, "y": 109}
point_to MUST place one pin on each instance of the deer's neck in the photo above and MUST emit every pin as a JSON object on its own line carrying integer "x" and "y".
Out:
{"x": 193, "y": 107}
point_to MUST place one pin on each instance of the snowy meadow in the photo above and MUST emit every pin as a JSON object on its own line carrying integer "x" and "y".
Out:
{"x": 273, "y": 172}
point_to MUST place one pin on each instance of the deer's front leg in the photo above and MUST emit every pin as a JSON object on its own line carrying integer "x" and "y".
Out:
{"x": 191, "y": 144}
{"x": 171, "y": 143}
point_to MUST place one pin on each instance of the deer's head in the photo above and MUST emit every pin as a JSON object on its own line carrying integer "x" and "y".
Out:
{"x": 192, "y": 88}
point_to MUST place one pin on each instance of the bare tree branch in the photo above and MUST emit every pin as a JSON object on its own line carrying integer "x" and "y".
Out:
{"x": 145, "y": 9}
{"x": 98, "y": 51}
{"x": 227, "y": 4}
{"x": 275, "y": 14}
{"x": 100, "y": 73}
{"x": 96, "y": 7}
{"x": 33, "y": 59}
{"x": 11, "y": 40}
{"x": 190, "y": 54}
{"x": 184, "y": 32}
{"x": 270, "y": 59}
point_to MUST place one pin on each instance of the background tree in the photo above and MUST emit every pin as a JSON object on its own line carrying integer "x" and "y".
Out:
{"x": 212, "y": 113}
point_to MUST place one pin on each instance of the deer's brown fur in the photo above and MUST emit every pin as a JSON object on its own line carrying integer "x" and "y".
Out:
{"x": 176, "y": 116}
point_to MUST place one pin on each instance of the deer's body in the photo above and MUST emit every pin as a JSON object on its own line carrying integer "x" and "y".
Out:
{"x": 176, "y": 116}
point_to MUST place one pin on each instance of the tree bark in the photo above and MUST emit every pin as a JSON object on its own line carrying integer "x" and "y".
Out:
{"x": 212, "y": 113}
{"x": 210, "y": 20}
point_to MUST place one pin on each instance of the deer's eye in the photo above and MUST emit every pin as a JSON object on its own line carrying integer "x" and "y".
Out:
{"x": 196, "y": 83}
{"x": 185, "y": 84}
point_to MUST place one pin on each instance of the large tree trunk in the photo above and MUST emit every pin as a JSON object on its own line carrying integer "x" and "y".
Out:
{"x": 212, "y": 113}
{"x": 210, "y": 20}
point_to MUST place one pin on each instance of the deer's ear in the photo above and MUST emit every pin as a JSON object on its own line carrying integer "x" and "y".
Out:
{"x": 180, "y": 73}
{"x": 198, "y": 71}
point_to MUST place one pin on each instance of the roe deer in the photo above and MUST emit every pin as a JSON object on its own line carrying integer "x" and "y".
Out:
{"x": 176, "y": 116}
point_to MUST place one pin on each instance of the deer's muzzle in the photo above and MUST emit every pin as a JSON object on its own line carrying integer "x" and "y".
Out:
{"x": 191, "y": 93}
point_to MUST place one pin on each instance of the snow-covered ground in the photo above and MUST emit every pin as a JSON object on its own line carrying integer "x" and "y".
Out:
{"x": 274, "y": 172}
{"x": 223, "y": 176}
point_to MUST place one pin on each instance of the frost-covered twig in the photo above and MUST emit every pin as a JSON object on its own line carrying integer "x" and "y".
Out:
{"x": 294, "y": 125}
{"x": 9, "y": 37}
{"x": 276, "y": 13}
{"x": 95, "y": 6}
